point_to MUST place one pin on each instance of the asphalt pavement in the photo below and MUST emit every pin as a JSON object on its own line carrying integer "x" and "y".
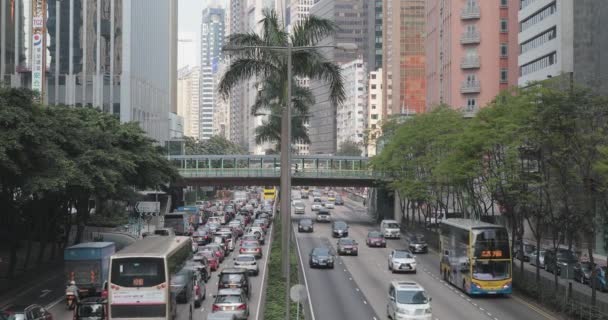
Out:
{"x": 360, "y": 283}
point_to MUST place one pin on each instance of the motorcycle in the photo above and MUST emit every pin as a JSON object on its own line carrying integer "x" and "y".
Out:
{"x": 70, "y": 299}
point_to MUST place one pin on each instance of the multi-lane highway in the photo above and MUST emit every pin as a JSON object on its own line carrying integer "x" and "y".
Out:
{"x": 358, "y": 286}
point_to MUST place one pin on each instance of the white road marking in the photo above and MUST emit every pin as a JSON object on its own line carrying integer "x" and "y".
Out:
{"x": 364, "y": 301}
{"x": 357, "y": 289}
{"x": 257, "y": 312}
{"x": 312, "y": 313}
{"x": 54, "y": 303}
{"x": 45, "y": 292}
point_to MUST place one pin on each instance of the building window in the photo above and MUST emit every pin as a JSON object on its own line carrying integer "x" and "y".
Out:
{"x": 504, "y": 3}
{"x": 538, "y": 64}
{"x": 471, "y": 103}
{"x": 373, "y": 97}
{"x": 504, "y": 75}
{"x": 504, "y": 25}
{"x": 373, "y": 106}
{"x": 374, "y": 117}
{"x": 539, "y": 40}
{"x": 373, "y": 86}
{"x": 538, "y": 17}
{"x": 373, "y": 76}
{"x": 504, "y": 49}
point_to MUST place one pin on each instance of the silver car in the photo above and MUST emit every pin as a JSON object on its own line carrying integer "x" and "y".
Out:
{"x": 233, "y": 301}
{"x": 251, "y": 247}
{"x": 541, "y": 259}
{"x": 247, "y": 261}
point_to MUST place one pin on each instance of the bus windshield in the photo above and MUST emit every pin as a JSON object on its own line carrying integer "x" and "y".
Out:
{"x": 138, "y": 272}
{"x": 491, "y": 270}
{"x": 491, "y": 243}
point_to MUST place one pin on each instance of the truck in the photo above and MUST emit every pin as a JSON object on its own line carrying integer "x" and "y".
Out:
{"x": 88, "y": 264}
{"x": 178, "y": 221}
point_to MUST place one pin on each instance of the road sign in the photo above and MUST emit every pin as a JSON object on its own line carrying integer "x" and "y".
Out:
{"x": 297, "y": 293}
{"x": 147, "y": 207}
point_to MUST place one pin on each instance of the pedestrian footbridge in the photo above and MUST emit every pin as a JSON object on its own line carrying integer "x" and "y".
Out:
{"x": 312, "y": 170}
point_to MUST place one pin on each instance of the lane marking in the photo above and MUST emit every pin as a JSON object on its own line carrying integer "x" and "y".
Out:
{"x": 257, "y": 312}
{"x": 312, "y": 313}
{"x": 364, "y": 301}
{"x": 54, "y": 303}
{"x": 538, "y": 310}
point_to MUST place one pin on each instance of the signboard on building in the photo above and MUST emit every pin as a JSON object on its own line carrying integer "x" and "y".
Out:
{"x": 37, "y": 62}
{"x": 38, "y": 22}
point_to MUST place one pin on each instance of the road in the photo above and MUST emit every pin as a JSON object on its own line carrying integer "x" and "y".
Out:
{"x": 359, "y": 284}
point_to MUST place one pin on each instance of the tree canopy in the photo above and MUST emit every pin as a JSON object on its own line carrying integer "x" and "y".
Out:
{"x": 349, "y": 148}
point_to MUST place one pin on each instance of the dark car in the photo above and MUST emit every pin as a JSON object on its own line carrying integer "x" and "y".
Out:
{"x": 182, "y": 284}
{"x": 556, "y": 259}
{"x": 417, "y": 244}
{"x": 200, "y": 265}
{"x": 339, "y": 201}
{"x": 375, "y": 239}
{"x": 321, "y": 257}
{"x": 529, "y": 249}
{"x": 31, "y": 312}
{"x": 93, "y": 308}
{"x": 233, "y": 278}
{"x": 582, "y": 271}
{"x": 339, "y": 229}
{"x": 305, "y": 225}
{"x": 348, "y": 246}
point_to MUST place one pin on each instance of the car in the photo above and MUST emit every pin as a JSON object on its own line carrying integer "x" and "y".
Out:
{"x": 201, "y": 266}
{"x": 91, "y": 308}
{"x": 408, "y": 300}
{"x": 305, "y": 194}
{"x": 390, "y": 229}
{"x": 321, "y": 257}
{"x": 401, "y": 261}
{"x": 235, "y": 278}
{"x": 220, "y": 240}
{"x": 221, "y": 315}
{"x": 582, "y": 271}
{"x": 30, "y": 312}
{"x": 306, "y": 225}
{"x": 601, "y": 280}
{"x": 347, "y": 246}
{"x": 299, "y": 207}
{"x": 233, "y": 301}
{"x": 525, "y": 255}
{"x": 375, "y": 239}
{"x": 182, "y": 285}
{"x": 316, "y": 206}
{"x": 200, "y": 291}
{"x": 329, "y": 205}
{"x": 216, "y": 250}
{"x": 417, "y": 244}
{"x": 251, "y": 247}
{"x": 323, "y": 216}
{"x": 556, "y": 259}
{"x": 541, "y": 259}
{"x": 339, "y": 229}
{"x": 248, "y": 237}
{"x": 201, "y": 237}
{"x": 339, "y": 201}
{"x": 257, "y": 231}
{"x": 247, "y": 261}
{"x": 229, "y": 237}
{"x": 212, "y": 258}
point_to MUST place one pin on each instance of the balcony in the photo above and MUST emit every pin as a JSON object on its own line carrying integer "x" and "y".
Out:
{"x": 470, "y": 12}
{"x": 473, "y": 86}
{"x": 470, "y": 37}
{"x": 469, "y": 112}
{"x": 472, "y": 62}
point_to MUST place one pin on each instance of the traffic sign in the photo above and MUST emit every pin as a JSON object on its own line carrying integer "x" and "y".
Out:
{"x": 297, "y": 293}
{"x": 147, "y": 207}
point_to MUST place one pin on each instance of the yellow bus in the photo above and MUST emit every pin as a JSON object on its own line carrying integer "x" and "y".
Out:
{"x": 270, "y": 192}
{"x": 476, "y": 256}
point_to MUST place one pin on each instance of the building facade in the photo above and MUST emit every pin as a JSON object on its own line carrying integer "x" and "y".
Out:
{"x": 471, "y": 51}
{"x": 351, "y": 116}
{"x": 212, "y": 38}
{"x": 127, "y": 67}
{"x": 374, "y": 111}
{"x": 374, "y": 25}
{"x": 404, "y": 56}
{"x": 352, "y": 17}
{"x": 188, "y": 99}
{"x": 186, "y": 50}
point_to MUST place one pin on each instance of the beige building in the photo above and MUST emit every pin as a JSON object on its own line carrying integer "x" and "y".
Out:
{"x": 374, "y": 110}
{"x": 188, "y": 99}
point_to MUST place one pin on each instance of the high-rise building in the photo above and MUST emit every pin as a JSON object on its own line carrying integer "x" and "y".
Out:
{"x": 374, "y": 111}
{"x": 212, "y": 39}
{"x": 374, "y": 32}
{"x": 186, "y": 50}
{"x": 221, "y": 111}
{"x": 238, "y": 116}
{"x": 471, "y": 51}
{"x": 563, "y": 37}
{"x": 404, "y": 56}
{"x": 351, "y": 115}
{"x": 118, "y": 56}
{"x": 188, "y": 91}
{"x": 352, "y": 17}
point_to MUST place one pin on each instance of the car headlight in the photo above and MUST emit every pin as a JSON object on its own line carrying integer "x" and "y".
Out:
{"x": 330, "y": 259}
{"x": 403, "y": 311}
{"x": 428, "y": 310}
{"x": 315, "y": 260}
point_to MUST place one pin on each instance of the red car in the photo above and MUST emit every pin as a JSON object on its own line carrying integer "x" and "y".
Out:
{"x": 375, "y": 239}
{"x": 213, "y": 260}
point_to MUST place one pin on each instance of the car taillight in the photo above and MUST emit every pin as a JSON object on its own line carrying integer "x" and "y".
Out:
{"x": 197, "y": 289}
{"x": 257, "y": 249}
{"x": 241, "y": 250}
{"x": 215, "y": 308}
{"x": 242, "y": 307}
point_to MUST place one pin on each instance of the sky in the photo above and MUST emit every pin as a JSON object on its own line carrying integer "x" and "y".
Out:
{"x": 189, "y": 21}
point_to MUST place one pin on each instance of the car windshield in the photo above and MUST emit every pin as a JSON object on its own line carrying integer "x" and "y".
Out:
{"x": 346, "y": 241}
{"x": 305, "y": 222}
{"x": 566, "y": 256}
{"x": 418, "y": 239}
{"x": 90, "y": 310}
{"x": 178, "y": 280}
{"x": 411, "y": 297}
{"x": 491, "y": 270}
{"x": 320, "y": 251}
{"x": 375, "y": 234}
{"x": 402, "y": 255}
{"x": 228, "y": 298}
{"x": 340, "y": 225}
{"x": 249, "y": 244}
{"x": 245, "y": 258}
{"x": 231, "y": 278}
{"x": 392, "y": 225}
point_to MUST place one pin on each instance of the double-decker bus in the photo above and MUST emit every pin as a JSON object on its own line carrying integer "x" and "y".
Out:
{"x": 140, "y": 279}
{"x": 270, "y": 192}
{"x": 476, "y": 256}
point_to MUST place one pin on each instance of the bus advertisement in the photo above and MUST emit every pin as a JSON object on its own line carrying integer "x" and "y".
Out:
{"x": 476, "y": 256}
{"x": 140, "y": 277}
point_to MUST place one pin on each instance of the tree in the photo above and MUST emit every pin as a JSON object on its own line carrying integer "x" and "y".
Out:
{"x": 349, "y": 148}
{"x": 216, "y": 145}
{"x": 270, "y": 66}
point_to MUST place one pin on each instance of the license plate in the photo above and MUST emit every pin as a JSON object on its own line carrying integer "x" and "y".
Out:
{"x": 404, "y": 267}
{"x": 322, "y": 263}
{"x": 491, "y": 292}
{"x": 233, "y": 286}
{"x": 348, "y": 251}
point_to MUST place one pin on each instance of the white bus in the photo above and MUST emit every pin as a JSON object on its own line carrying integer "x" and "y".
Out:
{"x": 140, "y": 278}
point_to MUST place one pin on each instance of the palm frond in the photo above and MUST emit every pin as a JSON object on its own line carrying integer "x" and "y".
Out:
{"x": 243, "y": 69}
{"x": 272, "y": 31}
{"x": 312, "y": 64}
{"x": 311, "y": 30}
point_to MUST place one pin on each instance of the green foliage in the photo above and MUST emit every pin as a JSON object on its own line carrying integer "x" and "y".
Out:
{"x": 269, "y": 66}
{"x": 216, "y": 145}
{"x": 349, "y": 148}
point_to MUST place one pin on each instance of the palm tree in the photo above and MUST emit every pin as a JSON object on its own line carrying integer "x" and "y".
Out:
{"x": 270, "y": 66}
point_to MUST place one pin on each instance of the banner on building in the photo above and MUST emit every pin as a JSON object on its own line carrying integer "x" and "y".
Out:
{"x": 37, "y": 62}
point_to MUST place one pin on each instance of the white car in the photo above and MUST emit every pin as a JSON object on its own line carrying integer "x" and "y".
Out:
{"x": 329, "y": 205}
{"x": 248, "y": 262}
{"x": 408, "y": 300}
{"x": 401, "y": 261}
{"x": 316, "y": 206}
